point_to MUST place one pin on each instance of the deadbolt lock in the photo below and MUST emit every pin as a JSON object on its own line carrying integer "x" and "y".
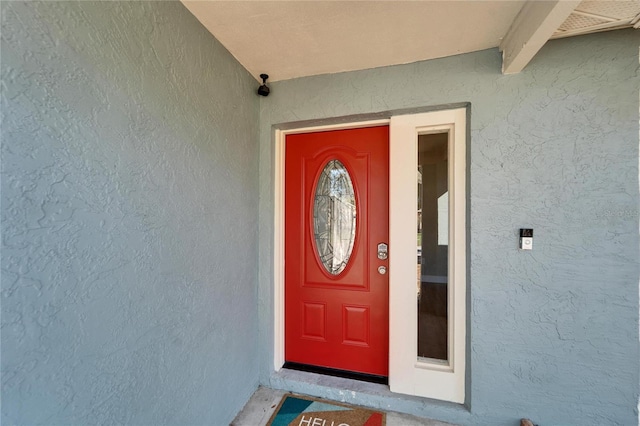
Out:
{"x": 383, "y": 251}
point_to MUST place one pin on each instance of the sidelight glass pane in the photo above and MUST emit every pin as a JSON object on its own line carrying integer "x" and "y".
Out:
{"x": 334, "y": 217}
{"x": 433, "y": 246}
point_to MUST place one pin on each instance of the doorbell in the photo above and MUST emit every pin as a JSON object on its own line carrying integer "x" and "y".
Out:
{"x": 526, "y": 239}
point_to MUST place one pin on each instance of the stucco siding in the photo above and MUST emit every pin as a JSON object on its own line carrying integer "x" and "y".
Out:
{"x": 129, "y": 217}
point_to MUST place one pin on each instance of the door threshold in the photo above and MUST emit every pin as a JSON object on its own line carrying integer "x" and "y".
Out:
{"x": 363, "y": 377}
{"x": 373, "y": 395}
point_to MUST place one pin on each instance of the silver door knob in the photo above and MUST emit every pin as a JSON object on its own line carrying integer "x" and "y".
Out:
{"x": 382, "y": 270}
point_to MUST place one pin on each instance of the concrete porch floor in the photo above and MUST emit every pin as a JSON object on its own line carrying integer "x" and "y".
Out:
{"x": 264, "y": 401}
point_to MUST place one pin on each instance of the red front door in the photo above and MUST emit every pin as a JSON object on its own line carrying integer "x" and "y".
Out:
{"x": 336, "y": 215}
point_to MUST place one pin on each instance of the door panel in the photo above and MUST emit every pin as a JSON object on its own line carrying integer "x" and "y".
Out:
{"x": 337, "y": 320}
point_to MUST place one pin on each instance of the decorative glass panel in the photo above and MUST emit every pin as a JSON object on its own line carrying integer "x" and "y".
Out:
{"x": 334, "y": 217}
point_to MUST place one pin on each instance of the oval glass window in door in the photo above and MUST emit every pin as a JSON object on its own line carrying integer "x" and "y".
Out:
{"x": 334, "y": 217}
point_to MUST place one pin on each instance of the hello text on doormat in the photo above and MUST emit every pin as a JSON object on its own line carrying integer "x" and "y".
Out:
{"x": 297, "y": 410}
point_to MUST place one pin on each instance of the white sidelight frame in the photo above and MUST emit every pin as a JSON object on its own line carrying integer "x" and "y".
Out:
{"x": 407, "y": 373}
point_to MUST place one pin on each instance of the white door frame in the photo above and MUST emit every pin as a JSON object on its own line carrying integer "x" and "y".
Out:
{"x": 406, "y": 373}
{"x": 278, "y": 237}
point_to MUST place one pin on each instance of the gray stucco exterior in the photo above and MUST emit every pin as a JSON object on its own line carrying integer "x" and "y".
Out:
{"x": 129, "y": 217}
{"x": 137, "y": 221}
{"x": 553, "y": 333}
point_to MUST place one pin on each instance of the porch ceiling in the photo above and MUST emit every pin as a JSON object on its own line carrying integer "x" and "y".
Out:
{"x": 290, "y": 39}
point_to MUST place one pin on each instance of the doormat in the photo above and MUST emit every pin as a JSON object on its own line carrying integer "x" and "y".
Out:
{"x": 297, "y": 410}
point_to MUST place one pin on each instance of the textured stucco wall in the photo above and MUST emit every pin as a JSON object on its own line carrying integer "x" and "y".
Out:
{"x": 129, "y": 217}
{"x": 554, "y": 332}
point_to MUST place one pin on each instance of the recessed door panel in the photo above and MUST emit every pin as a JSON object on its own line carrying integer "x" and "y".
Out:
{"x": 356, "y": 325}
{"x": 336, "y": 215}
{"x": 314, "y": 321}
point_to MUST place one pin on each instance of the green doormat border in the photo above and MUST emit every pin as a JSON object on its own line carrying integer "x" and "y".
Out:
{"x": 299, "y": 410}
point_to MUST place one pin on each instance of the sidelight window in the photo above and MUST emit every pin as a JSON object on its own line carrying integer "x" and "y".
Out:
{"x": 430, "y": 334}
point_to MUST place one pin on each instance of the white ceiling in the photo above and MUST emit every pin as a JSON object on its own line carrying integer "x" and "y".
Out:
{"x": 296, "y": 38}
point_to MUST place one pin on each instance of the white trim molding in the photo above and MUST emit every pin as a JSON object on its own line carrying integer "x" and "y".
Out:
{"x": 533, "y": 27}
{"x": 278, "y": 252}
{"x": 409, "y": 374}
